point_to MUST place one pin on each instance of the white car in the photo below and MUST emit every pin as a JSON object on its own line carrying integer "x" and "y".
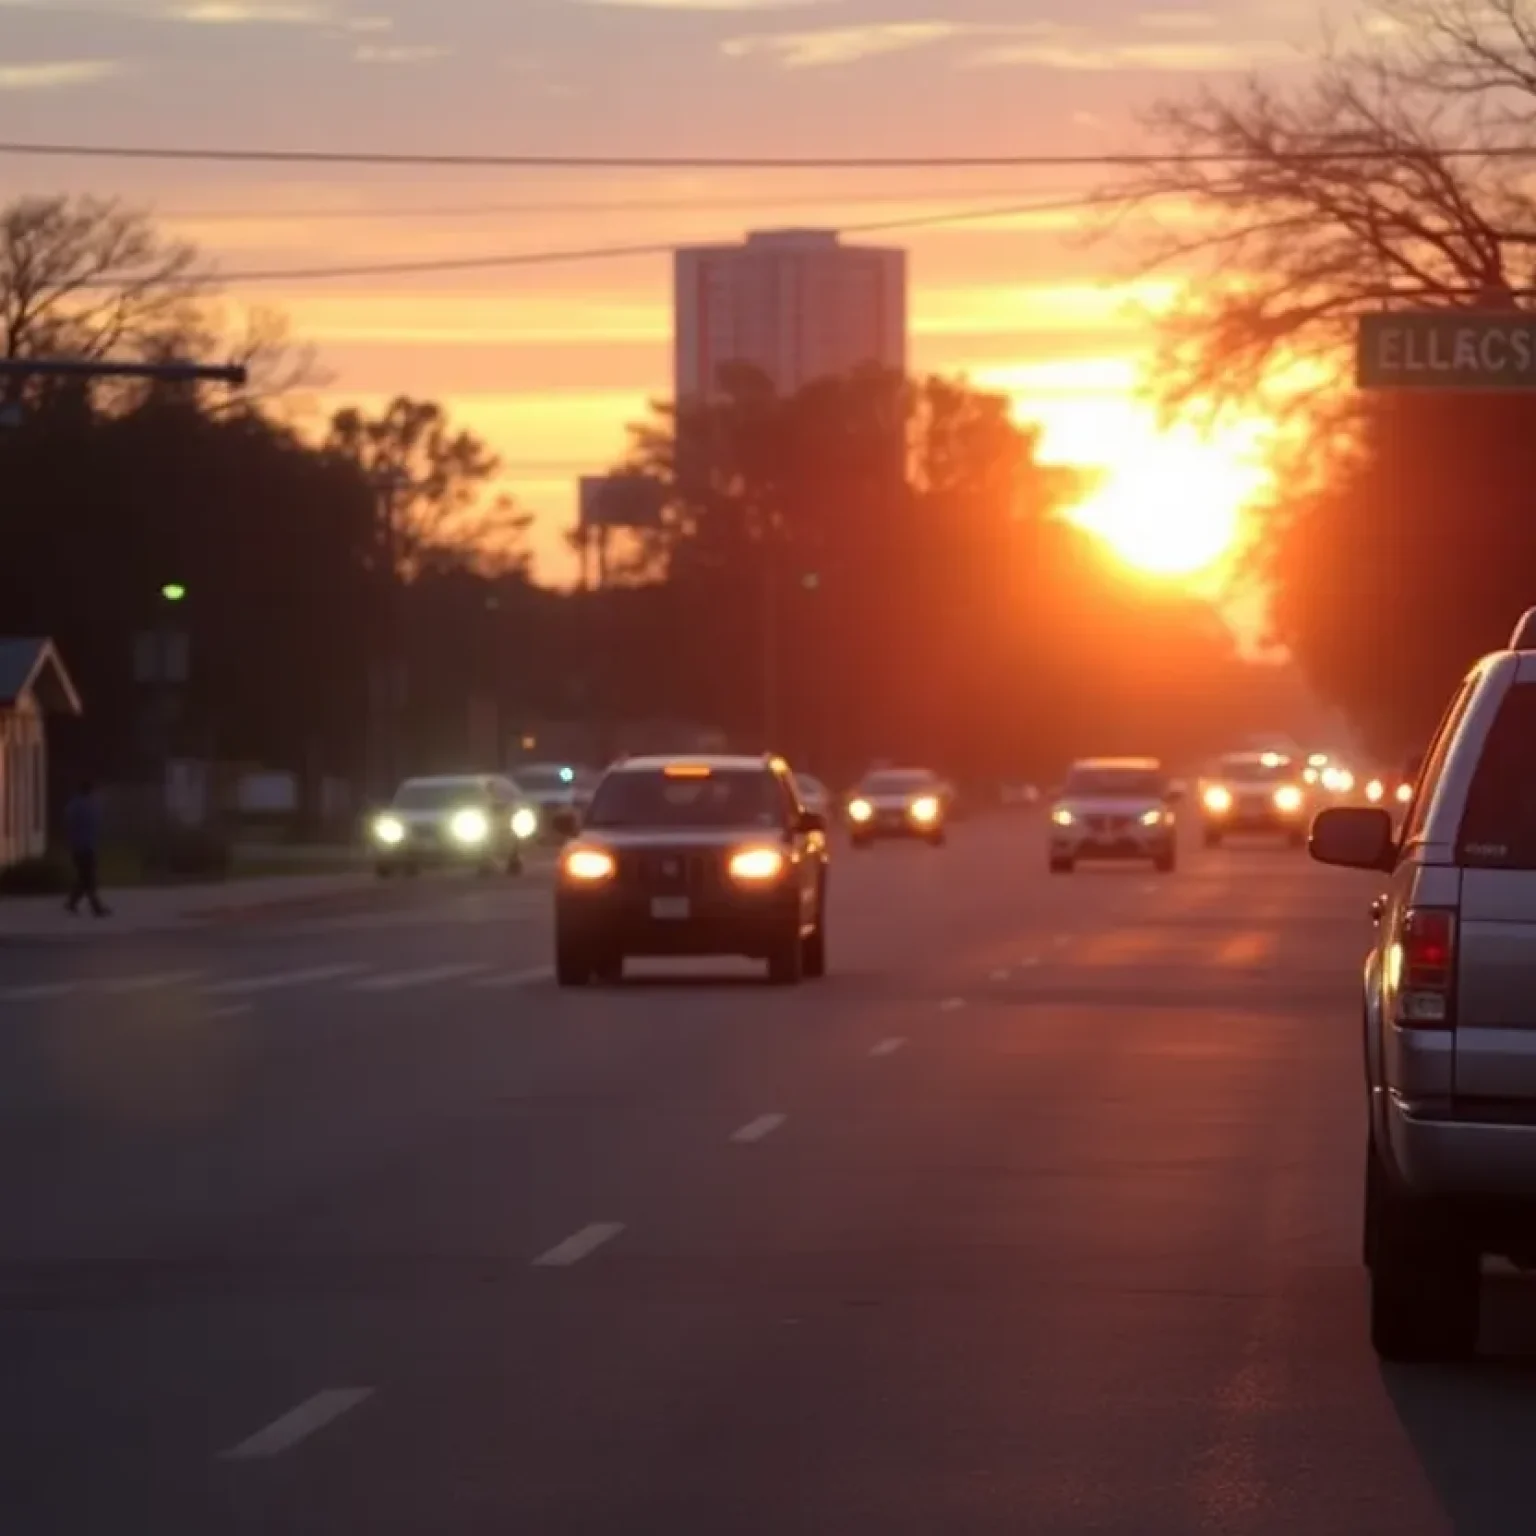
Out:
{"x": 1114, "y": 808}
{"x": 479, "y": 820}
{"x": 555, "y": 790}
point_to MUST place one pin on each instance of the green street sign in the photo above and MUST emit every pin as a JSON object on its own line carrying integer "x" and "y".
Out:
{"x": 1446, "y": 349}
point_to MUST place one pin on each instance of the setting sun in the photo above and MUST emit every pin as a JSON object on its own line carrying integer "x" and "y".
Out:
{"x": 1173, "y": 507}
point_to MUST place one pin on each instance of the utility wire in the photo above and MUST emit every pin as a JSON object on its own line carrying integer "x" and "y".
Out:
{"x": 1098, "y": 161}
{"x": 699, "y": 202}
{"x": 655, "y": 248}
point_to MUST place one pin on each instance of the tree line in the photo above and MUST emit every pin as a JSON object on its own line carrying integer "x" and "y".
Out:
{"x": 876, "y": 567}
{"x": 1399, "y": 543}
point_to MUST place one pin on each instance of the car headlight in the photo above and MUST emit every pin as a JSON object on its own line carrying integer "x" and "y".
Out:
{"x": 588, "y": 866}
{"x": 469, "y": 826}
{"x": 924, "y": 808}
{"x": 860, "y": 810}
{"x": 1375, "y": 790}
{"x": 1287, "y": 798}
{"x": 1404, "y": 793}
{"x": 1062, "y": 816}
{"x": 1153, "y": 818}
{"x": 756, "y": 865}
{"x": 525, "y": 822}
{"x": 389, "y": 830}
{"x": 1217, "y": 799}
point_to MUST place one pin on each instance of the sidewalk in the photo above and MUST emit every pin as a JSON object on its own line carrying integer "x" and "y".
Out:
{"x": 188, "y": 908}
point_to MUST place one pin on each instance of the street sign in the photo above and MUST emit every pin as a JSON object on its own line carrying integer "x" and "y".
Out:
{"x": 1447, "y": 350}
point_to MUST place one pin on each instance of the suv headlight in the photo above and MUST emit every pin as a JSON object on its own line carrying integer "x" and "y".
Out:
{"x": 860, "y": 810}
{"x": 1153, "y": 818}
{"x": 1218, "y": 799}
{"x": 1062, "y": 816}
{"x": 525, "y": 822}
{"x": 754, "y": 866}
{"x": 925, "y": 808}
{"x": 469, "y": 826}
{"x": 389, "y": 830}
{"x": 1288, "y": 798}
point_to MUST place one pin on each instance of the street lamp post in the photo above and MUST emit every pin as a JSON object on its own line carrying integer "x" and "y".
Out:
{"x": 389, "y": 673}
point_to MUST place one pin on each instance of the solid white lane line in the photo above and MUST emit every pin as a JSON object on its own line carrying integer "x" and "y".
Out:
{"x": 1030, "y": 960}
{"x": 951, "y": 1003}
{"x": 755, "y": 1130}
{"x": 399, "y": 981}
{"x": 579, "y": 1244}
{"x": 299, "y": 1423}
{"x": 274, "y": 981}
{"x": 887, "y": 1047}
{"x": 151, "y": 983}
{"x": 515, "y": 978}
{"x": 40, "y": 991}
{"x": 229, "y": 1010}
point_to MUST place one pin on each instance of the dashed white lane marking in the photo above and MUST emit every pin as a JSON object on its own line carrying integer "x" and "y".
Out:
{"x": 951, "y": 1003}
{"x": 129, "y": 984}
{"x": 1149, "y": 888}
{"x": 399, "y": 981}
{"x": 276, "y": 980}
{"x": 579, "y": 1244}
{"x": 229, "y": 1010}
{"x": 755, "y": 1130}
{"x": 1029, "y": 960}
{"x": 887, "y": 1047}
{"x": 515, "y": 978}
{"x": 1061, "y": 939}
{"x": 314, "y": 1413}
{"x": 1000, "y": 974}
{"x": 42, "y": 990}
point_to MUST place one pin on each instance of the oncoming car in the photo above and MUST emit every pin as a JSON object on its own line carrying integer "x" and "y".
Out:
{"x": 1255, "y": 792}
{"x": 698, "y": 855}
{"x": 1114, "y": 808}
{"x": 899, "y": 802}
{"x": 480, "y": 820}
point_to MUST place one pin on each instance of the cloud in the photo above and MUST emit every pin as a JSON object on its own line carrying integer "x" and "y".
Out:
{"x": 241, "y": 13}
{"x": 840, "y": 45}
{"x": 1173, "y": 58}
{"x": 57, "y": 75}
{"x": 400, "y": 53}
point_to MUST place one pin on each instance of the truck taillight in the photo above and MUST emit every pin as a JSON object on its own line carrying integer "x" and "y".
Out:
{"x": 1426, "y": 940}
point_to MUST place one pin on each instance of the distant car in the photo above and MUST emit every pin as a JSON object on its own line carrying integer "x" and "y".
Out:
{"x": 696, "y": 855}
{"x": 900, "y": 803}
{"x": 1114, "y": 808}
{"x": 814, "y": 795}
{"x": 479, "y": 820}
{"x": 1259, "y": 793}
{"x": 558, "y": 791}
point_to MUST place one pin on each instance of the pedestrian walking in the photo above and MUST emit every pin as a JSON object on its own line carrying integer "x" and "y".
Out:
{"x": 82, "y": 830}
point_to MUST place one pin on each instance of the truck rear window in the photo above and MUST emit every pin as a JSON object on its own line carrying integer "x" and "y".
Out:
{"x": 1498, "y": 826}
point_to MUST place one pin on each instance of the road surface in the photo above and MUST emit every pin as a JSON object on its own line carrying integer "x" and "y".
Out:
{"x": 1040, "y": 1214}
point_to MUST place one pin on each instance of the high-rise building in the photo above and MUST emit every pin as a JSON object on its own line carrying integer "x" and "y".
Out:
{"x": 796, "y": 303}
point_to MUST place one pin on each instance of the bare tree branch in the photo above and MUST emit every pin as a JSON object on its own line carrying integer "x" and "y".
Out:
{"x": 1284, "y": 242}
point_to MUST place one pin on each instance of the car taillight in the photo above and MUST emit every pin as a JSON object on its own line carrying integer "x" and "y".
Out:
{"x": 1426, "y": 941}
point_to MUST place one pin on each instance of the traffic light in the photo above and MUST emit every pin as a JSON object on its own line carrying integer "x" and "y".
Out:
{"x": 173, "y": 592}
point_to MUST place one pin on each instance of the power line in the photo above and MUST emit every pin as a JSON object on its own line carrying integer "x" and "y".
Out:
{"x": 654, "y": 248}
{"x": 1099, "y": 161}
{"x": 697, "y": 203}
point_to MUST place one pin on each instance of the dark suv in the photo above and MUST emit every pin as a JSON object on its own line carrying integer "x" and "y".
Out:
{"x": 694, "y": 856}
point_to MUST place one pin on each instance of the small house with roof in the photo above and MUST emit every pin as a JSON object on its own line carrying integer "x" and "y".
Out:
{"x": 33, "y": 685}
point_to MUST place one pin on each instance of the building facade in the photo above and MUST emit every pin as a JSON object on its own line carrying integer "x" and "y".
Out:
{"x": 797, "y": 304}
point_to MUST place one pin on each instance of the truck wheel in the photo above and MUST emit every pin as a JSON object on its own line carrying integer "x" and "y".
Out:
{"x": 1426, "y": 1276}
{"x": 573, "y": 962}
{"x": 1212, "y": 838}
{"x": 786, "y": 961}
{"x": 1166, "y": 863}
{"x": 813, "y": 948}
{"x": 1062, "y": 866}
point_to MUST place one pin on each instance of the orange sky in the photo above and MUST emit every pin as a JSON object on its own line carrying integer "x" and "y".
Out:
{"x": 550, "y": 362}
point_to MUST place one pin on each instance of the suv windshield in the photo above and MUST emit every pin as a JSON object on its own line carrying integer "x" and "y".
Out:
{"x": 1498, "y": 827}
{"x": 1254, "y": 770}
{"x": 897, "y": 783}
{"x": 1114, "y": 783}
{"x": 732, "y": 797}
{"x": 438, "y": 795}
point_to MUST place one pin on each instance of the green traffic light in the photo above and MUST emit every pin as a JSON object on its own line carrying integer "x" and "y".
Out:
{"x": 173, "y": 591}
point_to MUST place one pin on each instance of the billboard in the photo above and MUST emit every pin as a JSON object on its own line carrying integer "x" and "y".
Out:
{"x": 621, "y": 501}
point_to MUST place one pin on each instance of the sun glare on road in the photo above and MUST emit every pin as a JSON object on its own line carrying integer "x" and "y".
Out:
{"x": 1173, "y": 507}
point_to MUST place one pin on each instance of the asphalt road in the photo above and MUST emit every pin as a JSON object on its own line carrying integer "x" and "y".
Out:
{"x": 1040, "y": 1214}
